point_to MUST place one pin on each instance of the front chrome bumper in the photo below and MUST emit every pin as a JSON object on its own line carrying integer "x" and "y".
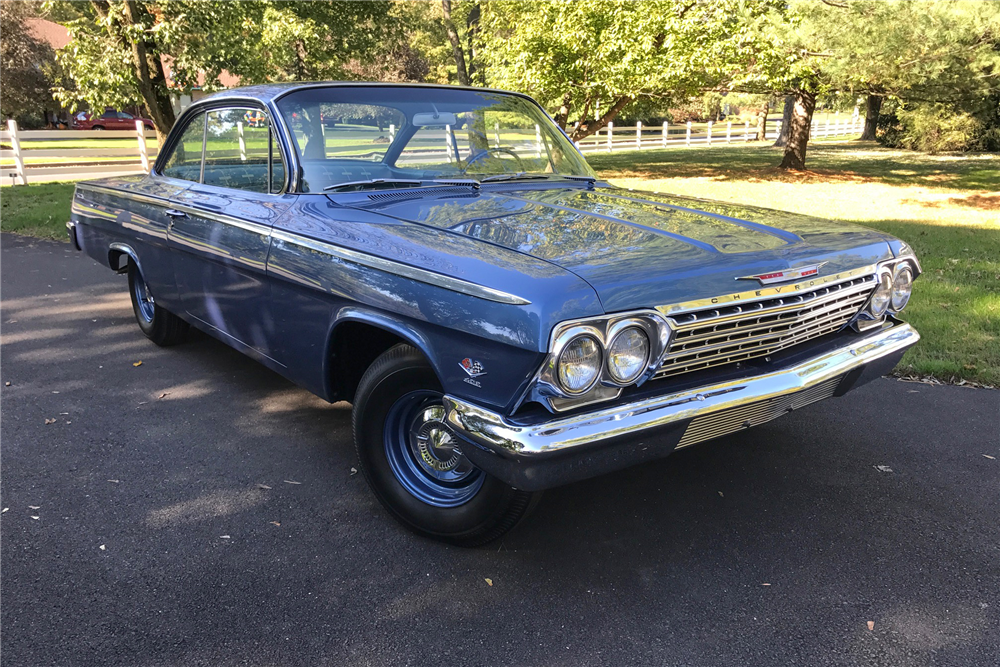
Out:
{"x": 567, "y": 449}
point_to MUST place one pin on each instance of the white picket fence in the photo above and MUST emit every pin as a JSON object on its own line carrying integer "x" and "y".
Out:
{"x": 73, "y": 163}
{"x": 638, "y": 137}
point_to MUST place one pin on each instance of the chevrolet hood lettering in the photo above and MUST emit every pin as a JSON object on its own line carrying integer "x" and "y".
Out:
{"x": 785, "y": 275}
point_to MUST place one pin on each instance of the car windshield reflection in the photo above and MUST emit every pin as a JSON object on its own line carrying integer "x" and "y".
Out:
{"x": 351, "y": 137}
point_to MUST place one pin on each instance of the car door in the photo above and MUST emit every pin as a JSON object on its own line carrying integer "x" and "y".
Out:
{"x": 221, "y": 228}
{"x": 126, "y": 121}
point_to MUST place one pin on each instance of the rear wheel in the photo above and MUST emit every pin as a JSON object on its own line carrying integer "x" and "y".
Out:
{"x": 160, "y": 325}
{"x": 414, "y": 463}
{"x": 98, "y": 127}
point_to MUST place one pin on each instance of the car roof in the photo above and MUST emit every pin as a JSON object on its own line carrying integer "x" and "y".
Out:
{"x": 271, "y": 91}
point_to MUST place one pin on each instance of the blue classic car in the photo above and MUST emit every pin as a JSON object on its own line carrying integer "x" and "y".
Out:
{"x": 501, "y": 319}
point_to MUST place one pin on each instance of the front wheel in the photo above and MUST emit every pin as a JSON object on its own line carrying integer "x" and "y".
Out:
{"x": 160, "y": 325}
{"x": 414, "y": 463}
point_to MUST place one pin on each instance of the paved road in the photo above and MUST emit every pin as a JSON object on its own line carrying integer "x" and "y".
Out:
{"x": 775, "y": 547}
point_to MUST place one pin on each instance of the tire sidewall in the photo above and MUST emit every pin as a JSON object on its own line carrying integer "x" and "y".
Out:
{"x": 148, "y": 327}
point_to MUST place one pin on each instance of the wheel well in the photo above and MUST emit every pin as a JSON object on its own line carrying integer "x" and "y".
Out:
{"x": 118, "y": 260}
{"x": 353, "y": 348}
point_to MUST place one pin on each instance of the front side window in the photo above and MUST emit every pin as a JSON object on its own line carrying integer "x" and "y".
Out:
{"x": 346, "y": 134}
{"x": 184, "y": 161}
{"x": 240, "y": 151}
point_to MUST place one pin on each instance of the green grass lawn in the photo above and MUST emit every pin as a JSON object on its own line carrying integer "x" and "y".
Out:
{"x": 946, "y": 207}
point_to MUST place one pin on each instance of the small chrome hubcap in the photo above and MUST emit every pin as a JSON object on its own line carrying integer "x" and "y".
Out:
{"x": 435, "y": 448}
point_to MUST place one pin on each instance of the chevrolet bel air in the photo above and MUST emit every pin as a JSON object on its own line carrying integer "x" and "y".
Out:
{"x": 501, "y": 320}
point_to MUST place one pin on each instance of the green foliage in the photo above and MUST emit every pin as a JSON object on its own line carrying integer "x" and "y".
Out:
{"x": 939, "y": 128}
{"x": 576, "y": 55}
{"x": 25, "y": 64}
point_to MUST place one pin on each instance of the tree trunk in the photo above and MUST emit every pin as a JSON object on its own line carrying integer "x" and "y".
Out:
{"x": 476, "y": 72}
{"x": 587, "y": 128}
{"x": 456, "y": 44}
{"x": 798, "y": 131}
{"x": 786, "y": 121}
{"x": 150, "y": 78}
{"x": 761, "y": 122}
{"x": 562, "y": 116}
{"x": 873, "y": 106}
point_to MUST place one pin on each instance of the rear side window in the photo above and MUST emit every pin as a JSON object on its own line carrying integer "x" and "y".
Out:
{"x": 240, "y": 151}
{"x": 185, "y": 159}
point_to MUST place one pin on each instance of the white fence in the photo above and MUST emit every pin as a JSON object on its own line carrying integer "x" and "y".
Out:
{"x": 638, "y": 137}
{"x": 73, "y": 163}
{"x": 68, "y": 163}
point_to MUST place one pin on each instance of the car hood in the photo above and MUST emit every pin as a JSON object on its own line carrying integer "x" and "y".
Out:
{"x": 643, "y": 249}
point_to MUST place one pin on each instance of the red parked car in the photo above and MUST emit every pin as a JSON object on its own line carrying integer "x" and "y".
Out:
{"x": 109, "y": 120}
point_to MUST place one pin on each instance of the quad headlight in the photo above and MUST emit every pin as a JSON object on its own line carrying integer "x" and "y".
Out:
{"x": 879, "y": 303}
{"x": 628, "y": 355}
{"x": 579, "y": 364}
{"x": 902, "y": 287}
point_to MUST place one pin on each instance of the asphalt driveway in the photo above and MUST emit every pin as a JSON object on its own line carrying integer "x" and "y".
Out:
{"x": 197, "y": 509}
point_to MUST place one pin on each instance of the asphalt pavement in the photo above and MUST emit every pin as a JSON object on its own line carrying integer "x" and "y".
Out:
{"x": 198, "y": 509}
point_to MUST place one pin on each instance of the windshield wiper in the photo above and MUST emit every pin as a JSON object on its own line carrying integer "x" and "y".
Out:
{"x": 408, "y": 182}
{"x": 519, "y": 176}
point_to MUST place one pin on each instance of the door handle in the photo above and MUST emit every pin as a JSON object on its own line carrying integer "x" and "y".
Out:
{"x": 174, "y": 213}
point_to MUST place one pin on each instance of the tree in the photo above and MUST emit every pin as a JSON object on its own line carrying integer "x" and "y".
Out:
{"x": 119, "y": 47}
{"x": 574, "y": 56}
{"x": 22, "y": 63}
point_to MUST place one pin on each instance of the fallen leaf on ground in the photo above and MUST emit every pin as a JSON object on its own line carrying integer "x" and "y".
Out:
{"x": 138, "y": 363}
{"x": 883, "y": 468}
{"x": 991, "y": 458}
{"x": 6, "y": 384}
{"x": 113, "y": 481}
{"x": 224, "y": 537}
{"x": 288, "y": 481}
{"x": 164, "y": 394}
{"x": 35, "y": 518}
{"x": 4, "y": 510}
{"x": 354, "y": 471}
{"x": 765, "y": 584}
{"x": 143, "y": 402}
{"x": 263, "y": 486}
{"x": 871, "y": 625}
{"x": 275, "y": 523}
{"x": 34, "y": 507}
{"x": 720, "y": 494}
{"x": 101, "y": 547}
{"x": 50, "y": 421}
{"x": 489, "y": 582}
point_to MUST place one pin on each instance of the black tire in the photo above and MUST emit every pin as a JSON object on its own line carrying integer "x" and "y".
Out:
{"x": 98, "y": 128}
{"x": 149, "y": 128}
{"x": 491, "y": 509}
{"x": 159, "y": 324}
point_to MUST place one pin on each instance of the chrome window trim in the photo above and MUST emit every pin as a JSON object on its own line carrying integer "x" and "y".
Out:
{"x": 402, "y": 270}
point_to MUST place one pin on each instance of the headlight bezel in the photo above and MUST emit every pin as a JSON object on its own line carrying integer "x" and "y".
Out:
{"x": 546, "y": 385}
{"x": 866, "y": 318}
{"x": 601, "y": 353}
{"x": 897, "y": 272}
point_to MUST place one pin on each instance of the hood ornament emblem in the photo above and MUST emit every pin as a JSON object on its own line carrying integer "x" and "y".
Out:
{"x": 785, "y": 275}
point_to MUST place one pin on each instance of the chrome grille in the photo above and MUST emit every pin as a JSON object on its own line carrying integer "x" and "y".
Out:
{"x": 735, "y": 419}
{"x": 734, "y": 333}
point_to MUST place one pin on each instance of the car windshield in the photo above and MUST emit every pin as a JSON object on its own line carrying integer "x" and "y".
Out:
{"x": 350, "y": 137}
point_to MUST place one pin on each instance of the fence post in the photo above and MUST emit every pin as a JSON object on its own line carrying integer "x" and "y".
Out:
{"x": 709, "y": 140}
{"x": 777, "y": 131}
{"x": 538, "y": 141}
{"x": 687, "y": 140}
{"x": 746, "y": 130}
{"x": 140, "y": 131}
{"x": 638, "y": 134}
{"x": 447, "y": 143}
{"x": 15, "y": 144}
{"x": 666, "y": 127}
{"x": 496, "y": 134}
{"x": 611, "y": 127}
{"x": 392, "y": 132}
{"x": 827, "y": 132}
{"x": 729, "y": 132}
{"x": 836, "y": 123}
{"x": 243, "y": 143}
